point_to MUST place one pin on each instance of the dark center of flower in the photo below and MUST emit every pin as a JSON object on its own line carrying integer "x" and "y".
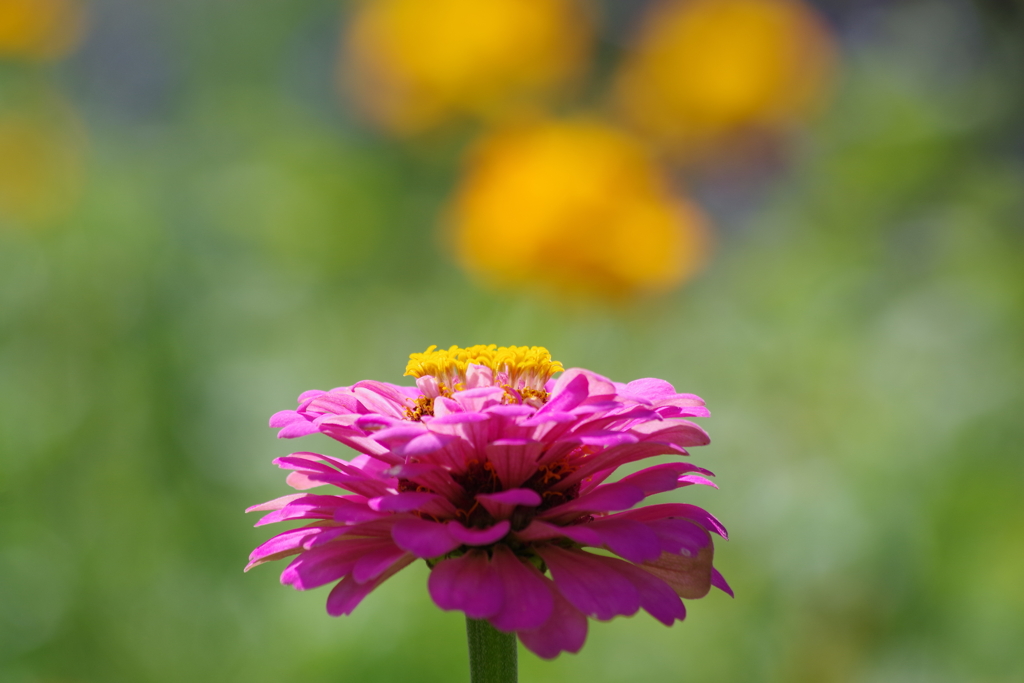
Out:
{"x": 480, "y": 477}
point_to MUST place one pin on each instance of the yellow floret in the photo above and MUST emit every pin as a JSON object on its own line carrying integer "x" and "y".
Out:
{"x": 530, "y": 363}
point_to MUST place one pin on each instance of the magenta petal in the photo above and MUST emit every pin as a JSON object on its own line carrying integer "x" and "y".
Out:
{"x": 281, "y": 546}
{"x": 311, "y": 394}
{"x": 542, "y": 531}
{"x": 617, "y": 496}
{"x": 589, "y": 585}
{"x": 513, "y": 497}
{"x": 680, "y": 536}
{"x": 502, "y": 504}
{"x": 682, "y": 510}
{"x": 422, "y": 445}
{"x": 283, "y": 418}
{"x": 650, "y": 389}
{"x": 565, "y": 631}
{"x": 528, "y": 601}
{"x": 656, "y": 596}
{"x": 678, "y": 433}
{"x": 320, "y": 566}
{"x": 514, "y": 460}
{"x": 423, "y": 538}
{"x": 662, "y": 477}
{"x": 468, "y": 583}
{"x": 376, "y": 562}
{"x": 346, "y": 596}
{"x": 402, "y": 502}
{"x": 297, "y": 428}
{"x": 691, "y": 479}
{"x": 479, "y": 536}
{"x": 719, "y": 582}
{"x": 275, "y": 504}
{"x": 569, "y": 392}
{"x": 629, "y": 539}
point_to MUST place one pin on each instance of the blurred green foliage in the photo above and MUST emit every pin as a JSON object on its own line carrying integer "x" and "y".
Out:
{"x": 858, "y": 337}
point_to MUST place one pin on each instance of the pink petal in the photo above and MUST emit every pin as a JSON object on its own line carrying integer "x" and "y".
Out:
{"x": 588, "y": 584}
{"x": 423, "y": 538}
{"x": 430, "y": 442}
{"x": 300, "y": 481}
{"x": 428, "y": 386}
{"x": 662, "y": 478}
{"x": 656, "y": 596}
{"x": 433, "y": 477}
{"x": 355, "y": 512}
{"x": 628, "y": 538}
{"x": 675, "y": 432}
{"x": 284, "y": 418}
{"x": 528, "y": 600}
{"x": 347, "y": 595}
{"x": 327, "y": 563}
{"x": 306, "y": 506}
{"x": 297, "y": 429}
{"x": 501, "y": 505}
{"x": 486, "y": 536}
{"x": 478, "y": 376}
{"x": 468, "y": 583}
{"x": 565, "y": 631}
{"x": 283, "y": 545}
{"x": 275, "y": 504}
{"x": 377, "y": 529}
{"x": 649, "y": 389}
{"x": 680, "y": 536}
{"x": 604, "y": 498}
{"x": 475, "y": 400}
{"x": 570, "y": 390}
{"x": 719, "y": 582}
{"x": 411, "y": 501}
{"x": 689, "y": 577}
{"x": 311, "y": 394}
{"x": 691, "y": 479}
{"x": 682, "y": 510}
{"x": 374, "y": 563}
{"x": 542, "y": 531}
{"x": 577, "y": 381}
{"x": 514, "y": 460}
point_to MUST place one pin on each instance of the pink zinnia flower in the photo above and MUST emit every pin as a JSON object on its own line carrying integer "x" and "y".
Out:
{"x": 493, "y": 472}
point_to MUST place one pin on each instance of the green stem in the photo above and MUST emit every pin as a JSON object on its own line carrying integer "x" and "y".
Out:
{"x": 492, "y": 654}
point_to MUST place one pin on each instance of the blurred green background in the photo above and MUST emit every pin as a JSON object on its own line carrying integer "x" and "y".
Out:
{"x": 218, "y": 231}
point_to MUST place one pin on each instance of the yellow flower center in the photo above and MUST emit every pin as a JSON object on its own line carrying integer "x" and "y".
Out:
{"x": 524, "y": 369}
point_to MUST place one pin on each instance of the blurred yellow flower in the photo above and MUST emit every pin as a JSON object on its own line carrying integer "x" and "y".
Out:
{"x": 40, "y": 169}
{"x": 702, "y": 69}
{"x": 410, "y": 64}
{"x": 40, "y": 29}
{"x": 573, "y": 206}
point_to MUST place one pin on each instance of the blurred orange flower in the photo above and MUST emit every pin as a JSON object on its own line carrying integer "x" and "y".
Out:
{"x": 411, "y": 65}
{"x": 40, "y": 169}
{"x": 573, "y": 206}
{"x": 704, "y": 69}
{"x": 40, "y": 29}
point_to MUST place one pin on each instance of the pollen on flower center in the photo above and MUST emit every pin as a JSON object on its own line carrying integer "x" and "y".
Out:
{"x": 521, "y": 370}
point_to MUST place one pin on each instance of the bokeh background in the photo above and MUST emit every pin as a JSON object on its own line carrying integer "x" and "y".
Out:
{"x": 809, "y": 213}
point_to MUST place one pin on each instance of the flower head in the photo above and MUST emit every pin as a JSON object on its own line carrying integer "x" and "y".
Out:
{"x": 594, "y": 215}
{"x": 704, "y": 70}
{"x": 40, "y": 29}
{"x": 41, "y": 149}
{"x": 412, "y": 65}
{"x": 494, "y": 473}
